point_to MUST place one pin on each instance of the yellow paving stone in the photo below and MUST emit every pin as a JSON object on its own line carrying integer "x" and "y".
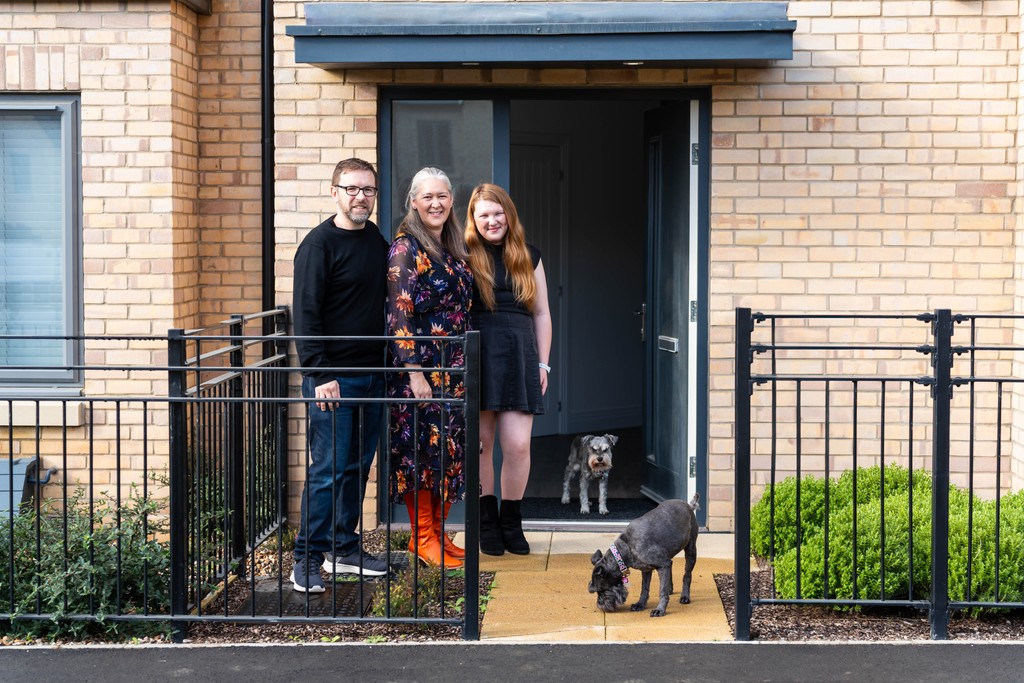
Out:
{"x": 578, "y": 634}
{"x": 550, "y": 603}
{"x": 540, "y": 547}
{"x": 534, "y": 562}
{"x": 580, "y": 543}
{"x": 565, "y": 564}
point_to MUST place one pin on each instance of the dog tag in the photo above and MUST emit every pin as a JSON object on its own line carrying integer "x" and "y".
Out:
{"x": 670, "y": 344}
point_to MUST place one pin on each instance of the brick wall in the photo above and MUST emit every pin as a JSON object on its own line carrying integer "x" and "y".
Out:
{"x": 228, "y": 90}
{"x": 135, "y": 68}
{"x": 876, "y": 171}
{"x": 1017, "y": 462}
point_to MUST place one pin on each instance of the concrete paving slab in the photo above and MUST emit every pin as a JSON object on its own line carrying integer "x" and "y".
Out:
{"x": 571, "y": 565}
{"x": 709, "y": 544}
{"x": 580, "y": 542}
{"x": 702, "y": 620}
{"x": 534, "y": 562}
{"x": 571, "y": 634}
{"x": 544, "y": 598}
{"x": 540, "y": 548}
{"x": 716, "y": 545}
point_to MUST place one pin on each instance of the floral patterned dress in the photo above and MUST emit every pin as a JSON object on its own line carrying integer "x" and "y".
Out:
{"x": 427, "y": 297}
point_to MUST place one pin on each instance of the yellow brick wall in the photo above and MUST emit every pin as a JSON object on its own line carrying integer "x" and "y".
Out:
{"x": 228, "y": 91}
{"x": 1017, "y": 462}
{"x": 876, "y": 171}
{"x": 320, "y": 118}
{"x": 184, "y": 73}
{"x": 134, "y": 66}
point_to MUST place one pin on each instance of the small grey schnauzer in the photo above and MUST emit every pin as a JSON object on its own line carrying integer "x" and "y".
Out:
{"x": 648, "y": 543}
{"x": 590, "y": 457}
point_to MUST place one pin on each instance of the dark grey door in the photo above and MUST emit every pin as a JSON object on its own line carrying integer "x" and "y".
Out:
{"x": 667, "y": 135}
{"x": 537, "y": 186}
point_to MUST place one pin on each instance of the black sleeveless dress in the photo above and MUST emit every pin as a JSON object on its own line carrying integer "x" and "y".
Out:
{"x": 510, "y": 374}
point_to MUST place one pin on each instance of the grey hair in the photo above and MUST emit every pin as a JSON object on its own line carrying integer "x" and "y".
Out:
{"x": 422, "y": 176}
{"x": 451, "y": 232}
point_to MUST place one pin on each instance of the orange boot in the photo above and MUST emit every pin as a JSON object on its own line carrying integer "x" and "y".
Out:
{"x": 451, "y": 551}
{"x": 425, "y": 542}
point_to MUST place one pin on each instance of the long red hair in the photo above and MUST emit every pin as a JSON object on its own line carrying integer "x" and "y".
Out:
{"x": 517, "y": 259}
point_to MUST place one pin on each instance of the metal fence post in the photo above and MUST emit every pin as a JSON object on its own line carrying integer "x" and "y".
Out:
{"x": 281, "y": 416}
{"x": 235, "y": 411}
{"x": 741, "y": 432}
{"x": 942, "y": 394}
{"x": 471, "y": 612}
{"x": 178, "y": 480}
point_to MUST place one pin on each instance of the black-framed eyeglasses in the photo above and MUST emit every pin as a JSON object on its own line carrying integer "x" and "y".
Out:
{"x": 353, "y": 190}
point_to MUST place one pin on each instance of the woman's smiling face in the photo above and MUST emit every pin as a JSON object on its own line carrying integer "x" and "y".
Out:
{"x": 490, "y": 221}
{"x": 433, "y": 203}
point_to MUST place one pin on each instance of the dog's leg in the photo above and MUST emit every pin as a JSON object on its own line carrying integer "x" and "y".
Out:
{"x": 645, "y": 591}
{"x": 584, "y": 494}
{"x": 602, "y": 496}
{"x": 664, "y": 590}
{"x": 566, "y": 480}
{"x": 691, "y": 560}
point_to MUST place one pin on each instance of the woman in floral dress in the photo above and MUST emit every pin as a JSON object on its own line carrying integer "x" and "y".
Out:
{"x": 430, "y": 289}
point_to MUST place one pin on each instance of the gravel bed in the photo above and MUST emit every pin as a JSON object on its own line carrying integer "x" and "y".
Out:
{"x": 811, "y": 623}
{"x": 374, "y": 542}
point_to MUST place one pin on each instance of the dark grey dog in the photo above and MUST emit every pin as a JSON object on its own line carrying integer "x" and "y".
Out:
{"x": 648, "y": 543}
{"x": 590, "y": 457}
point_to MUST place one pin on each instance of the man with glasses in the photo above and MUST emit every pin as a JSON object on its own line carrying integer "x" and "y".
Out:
{"x": 340, "y": 290}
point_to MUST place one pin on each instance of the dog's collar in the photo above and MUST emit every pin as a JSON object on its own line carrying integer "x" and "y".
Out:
{"x": 622, "y": 565}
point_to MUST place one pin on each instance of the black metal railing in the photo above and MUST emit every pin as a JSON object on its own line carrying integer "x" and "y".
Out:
{"x": 902, "y": 422}
{"x": 172, "y": 497}
{"x": 228, "y": 450}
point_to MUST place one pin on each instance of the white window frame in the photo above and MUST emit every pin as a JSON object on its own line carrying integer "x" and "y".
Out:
{"x": 67, "y": 378}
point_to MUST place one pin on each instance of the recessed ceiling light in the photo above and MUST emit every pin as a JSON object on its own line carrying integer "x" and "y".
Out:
{"x": 632, "y": 64}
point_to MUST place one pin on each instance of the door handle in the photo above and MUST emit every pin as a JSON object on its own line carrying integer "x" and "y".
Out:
{"x": 643, "y": 321}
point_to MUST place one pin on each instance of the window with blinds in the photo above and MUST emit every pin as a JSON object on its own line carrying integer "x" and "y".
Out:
{"x": 38, "y": 238}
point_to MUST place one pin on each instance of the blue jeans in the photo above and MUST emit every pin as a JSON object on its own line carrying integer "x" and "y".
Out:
{"x": 333, "y": 494}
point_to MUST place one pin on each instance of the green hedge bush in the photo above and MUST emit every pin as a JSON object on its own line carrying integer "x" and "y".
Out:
{"x": 906, "y": 499}
{"x": 83, "y": 579}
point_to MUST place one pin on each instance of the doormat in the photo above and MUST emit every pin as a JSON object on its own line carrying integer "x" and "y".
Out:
{"x": 619, "y": 509}
{"x": 341, "y": 599}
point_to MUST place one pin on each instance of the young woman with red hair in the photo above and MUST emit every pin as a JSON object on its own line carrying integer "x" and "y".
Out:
{"x": 510, "y": 309}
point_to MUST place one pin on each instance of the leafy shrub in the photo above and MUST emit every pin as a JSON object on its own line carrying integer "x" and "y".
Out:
{"x": 399, "y": 540}
{"x": 984, "y": 572}
{"x": 68, "y": 560}
{"x": 905, "y": 570}
{"x": 413, "y": 594}
{"x": 790, "y": 521}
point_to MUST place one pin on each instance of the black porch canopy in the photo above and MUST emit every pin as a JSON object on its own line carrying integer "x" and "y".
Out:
{"x": 608, "y": 34}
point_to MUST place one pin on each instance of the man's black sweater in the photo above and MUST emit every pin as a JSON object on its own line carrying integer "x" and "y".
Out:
{"x": 340, "y": 290}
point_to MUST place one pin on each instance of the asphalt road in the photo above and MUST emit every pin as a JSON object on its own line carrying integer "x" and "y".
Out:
{"x": 704, "y": 662}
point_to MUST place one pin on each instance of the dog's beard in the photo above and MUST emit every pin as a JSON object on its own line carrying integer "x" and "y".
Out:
{"x": 599, "y": 467}
{"x": 610, "y": 599}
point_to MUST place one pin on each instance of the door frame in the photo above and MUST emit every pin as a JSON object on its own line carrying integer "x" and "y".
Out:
{"x": 700, "y": 215}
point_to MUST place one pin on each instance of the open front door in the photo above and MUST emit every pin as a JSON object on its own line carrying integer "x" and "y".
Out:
{"x": 671, "y": 302}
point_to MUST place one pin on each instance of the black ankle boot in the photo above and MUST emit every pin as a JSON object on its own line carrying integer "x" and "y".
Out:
{"x": 511, "y": 520}
{"x": 490, "y": 532}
